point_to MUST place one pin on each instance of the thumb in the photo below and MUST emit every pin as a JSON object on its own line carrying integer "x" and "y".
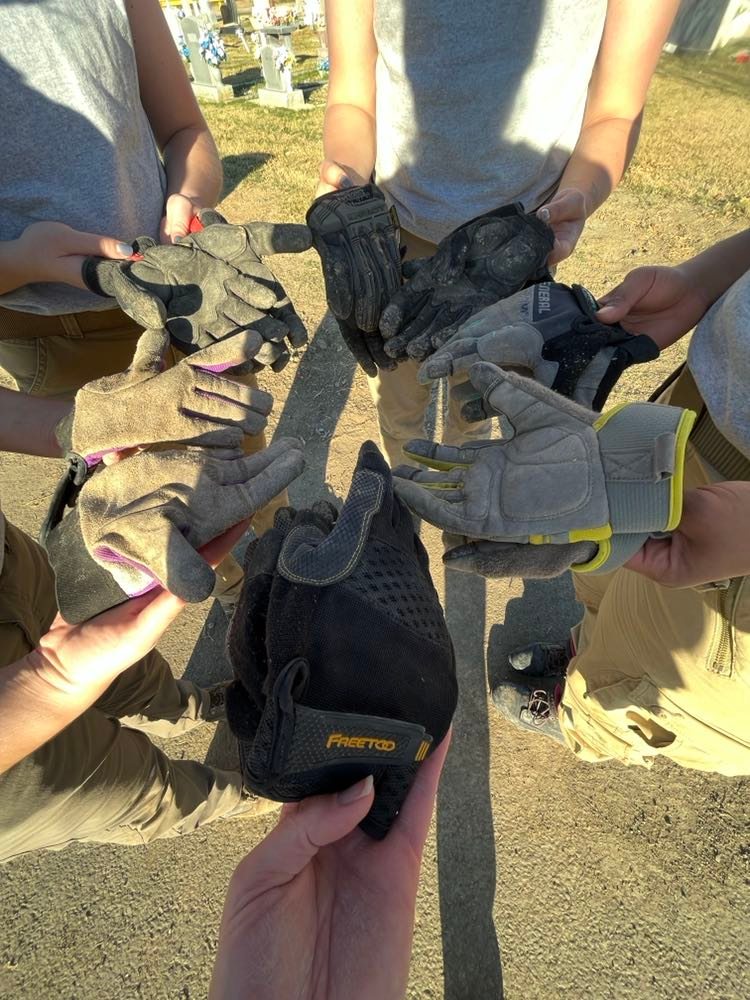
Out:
{"x": 179, "y": 212}
{"x": 149, "y": 352}
{"x": 334, "y": 177}
{"x": 618, "y": 302}
{"x": 302, "y": 831}
{"x": 563, "y": 207}
{"x": 93, "y": 245}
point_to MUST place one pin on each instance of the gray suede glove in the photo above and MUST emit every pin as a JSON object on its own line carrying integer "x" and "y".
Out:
{"x": 138, "y": 523}
{"x": 209, "y": 285}
{"x": 479, "y": 263}
{"x": 561, "y": 476}
{"x": 191, "y": 403}
{"x": 550, "y": 332}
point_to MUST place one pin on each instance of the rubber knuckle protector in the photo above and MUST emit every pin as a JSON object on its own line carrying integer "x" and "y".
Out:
{"x": 343, "y": 662}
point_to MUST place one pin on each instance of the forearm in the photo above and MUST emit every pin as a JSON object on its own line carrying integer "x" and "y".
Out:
{"x": 717, "y": 268}
{"x": 349, "y": 140}
{"x": 600, "y": 158}
{"x": 193, "y": 166}
{"x": 12, "y": 272}
{"x": 27, "y": 423}
{"x": 33, "y": 711}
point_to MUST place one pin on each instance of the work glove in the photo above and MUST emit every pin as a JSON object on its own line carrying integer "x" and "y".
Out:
{"x": 550, "y": 332}
{"x": 562, "y": 475}
{"x": 138, "y": 523}
{"x": 485, "y": 260}
{"x": 209, "y": 285}
{"x": 191, "y": 403}
{"x": 343, "y": 662}
{"x": 357, "y": 237}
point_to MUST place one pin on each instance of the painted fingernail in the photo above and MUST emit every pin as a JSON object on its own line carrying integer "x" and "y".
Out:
{"x": 543, "y": 214}
{"x": 346, "y": 182}
{"x": 124, "y": 248}
{"x": 358, "y": 791}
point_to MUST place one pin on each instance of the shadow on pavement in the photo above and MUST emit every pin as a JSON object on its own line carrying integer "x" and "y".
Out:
{"x": 465, "y": 833}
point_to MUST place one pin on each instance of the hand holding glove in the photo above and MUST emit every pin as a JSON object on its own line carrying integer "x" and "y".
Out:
{"x": 138, "y": 523}
{"x": 565, "y": 478}
{"x": 343, "y": 660}
{"x": 550, "y": 332}
{"x": 191, "y": 403}
{"x": 209, "y": 285}
{"x": 479, "y": 263}
{"x": 357, "y": 237}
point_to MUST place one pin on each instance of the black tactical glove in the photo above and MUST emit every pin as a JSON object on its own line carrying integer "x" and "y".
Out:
{"x": 357, "y": 237}
{"x": 343, "y": 660}
{"x": 209, "y": 285}
{"x": 479, "y": 263}
{"x": 550, "y": 332}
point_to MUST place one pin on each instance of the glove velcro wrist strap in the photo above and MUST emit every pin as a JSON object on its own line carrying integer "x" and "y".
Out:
{"x": 642, "y": 448}
{"x": 66, "y": 492}
{"x": 612, "y": 553}
{"x": 83, "y": 588}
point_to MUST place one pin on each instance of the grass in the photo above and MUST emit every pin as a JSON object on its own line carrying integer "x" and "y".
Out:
{"x": 693, "y": 146}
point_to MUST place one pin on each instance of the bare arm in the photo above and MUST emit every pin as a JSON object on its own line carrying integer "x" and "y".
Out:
{"x": 633, "y": 36}
{"x": 27, "y": 423}
{"x": 194, "y": 172}
{"x": 349, "y": 127}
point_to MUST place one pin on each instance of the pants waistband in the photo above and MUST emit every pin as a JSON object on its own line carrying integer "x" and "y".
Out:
{"x": 16, "y": 325}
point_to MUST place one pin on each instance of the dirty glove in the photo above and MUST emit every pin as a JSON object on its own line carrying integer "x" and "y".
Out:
{"x": 139, "y": 522}
{"x": 343, "y": 661}
{"x": 550, "y": 332}
{"x": 562, "y": 475}
{"x": 357, "y": 237}
{"x": 479, "y": 263}
{"x": 209, "y": 285}
{"x": 189, "y": 403}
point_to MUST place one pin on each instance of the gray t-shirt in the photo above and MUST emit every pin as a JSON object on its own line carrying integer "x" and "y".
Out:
{"x": 77, "y": 146}
{"x": 719, "y": 358}
{"x": 479, "y": 104}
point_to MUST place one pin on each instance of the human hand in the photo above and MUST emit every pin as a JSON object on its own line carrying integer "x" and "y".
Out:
{"x": 319, "y": 910}
{"x": 660, "y": 301}
{"x": 711, "y": 542}
{"x": 334, "y": 177}
{"x": 566, "y": 213}
{"x": 52, "y": 251}
{"x": 80, "y": 661}
{"x": 179, "y": 211}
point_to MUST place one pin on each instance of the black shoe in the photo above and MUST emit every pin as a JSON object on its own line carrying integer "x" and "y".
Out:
{"x": 541, "y": 659}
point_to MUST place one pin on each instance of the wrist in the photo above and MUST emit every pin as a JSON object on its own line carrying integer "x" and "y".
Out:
{"x": 14, "y": 268}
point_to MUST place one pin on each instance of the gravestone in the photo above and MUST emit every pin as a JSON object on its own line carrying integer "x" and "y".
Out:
{"x": 207, "y": 80}
{"x": 275, "y": 59}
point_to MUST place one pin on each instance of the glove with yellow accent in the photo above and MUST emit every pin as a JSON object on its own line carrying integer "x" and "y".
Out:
{"x": 343, "y": 660}
{"x": 565, "y": 487}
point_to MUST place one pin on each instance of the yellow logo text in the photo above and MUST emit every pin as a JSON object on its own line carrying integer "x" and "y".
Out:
{"x": 360, "y": 742}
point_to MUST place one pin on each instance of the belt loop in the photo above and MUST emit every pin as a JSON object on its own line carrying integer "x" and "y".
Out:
{"x": 70, "y": 325}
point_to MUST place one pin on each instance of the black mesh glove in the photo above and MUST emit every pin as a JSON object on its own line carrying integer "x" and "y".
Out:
{"x": 479, "y": 263}
{"x": 357, "y": 237}
{"x": 343, "y": 662}
{"x": 548, "y": 331}
{"x": 210, "y": 285}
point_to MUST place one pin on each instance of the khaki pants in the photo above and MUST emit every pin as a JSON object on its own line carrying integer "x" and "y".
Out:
{"x": 101, "y": 779}
{"x": 402, "y": 402}
{"x": 89, "y": 346}
{"x": 660, "y": 671}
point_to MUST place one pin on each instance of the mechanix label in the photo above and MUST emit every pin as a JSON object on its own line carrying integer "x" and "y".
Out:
{"x": 360, "y": 743}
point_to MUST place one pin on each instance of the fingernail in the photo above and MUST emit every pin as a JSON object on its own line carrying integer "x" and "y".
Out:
{"x": 346, "y": 182}
{"x": 358, "y": 791}
{"x": 125, "y": 249}
{"x": 543, "y": 214}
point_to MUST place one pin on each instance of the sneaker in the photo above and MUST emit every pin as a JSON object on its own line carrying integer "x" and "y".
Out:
{"x": 531, "y": 703}
{"x": 217, "y": 702}
{"x": 541, "y": 659}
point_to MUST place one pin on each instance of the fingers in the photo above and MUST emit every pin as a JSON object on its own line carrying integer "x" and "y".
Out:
{"x": 252, "y": 292}
{"x": 227, "y": 353}
{"x": 416, "y": 813}
{"x": 566, "y": 205}
{"x": 300, "y": 834}
{"x": 268, "y": 238}
{"x": 623, "y": 298}
{"x": 93, "y": 245}
{"x": 442, "y": 456}
{"x": 254, "y": 481}
{"x": 333, "y": 177}
{"x": 177, "y": 218}
{"x": 144, "y": 308}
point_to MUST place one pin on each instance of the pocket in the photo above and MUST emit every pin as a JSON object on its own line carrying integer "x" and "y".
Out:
{"x": 727, "y": 601}
{"x": 23, "y": 361}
